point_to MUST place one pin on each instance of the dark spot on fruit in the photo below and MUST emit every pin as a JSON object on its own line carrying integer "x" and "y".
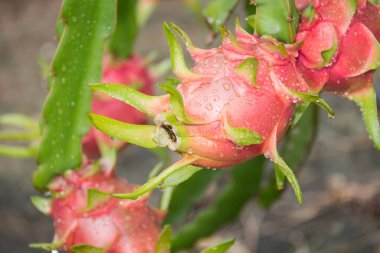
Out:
{"x": 169, "y": 130}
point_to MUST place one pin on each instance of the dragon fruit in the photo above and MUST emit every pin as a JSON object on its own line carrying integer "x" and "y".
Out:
{"x": 341, "y": 50}
{"x": 234, "y": 104}
{"x": 239, "y": 99}
{"x": 88, "y": 219}
{"x": 127, "y": 72}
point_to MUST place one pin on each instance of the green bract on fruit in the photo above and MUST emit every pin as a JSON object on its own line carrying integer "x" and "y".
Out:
{"x": 130, "y": 72}
{"x": 341, "y": 50}
{"x": 88, "y": 219}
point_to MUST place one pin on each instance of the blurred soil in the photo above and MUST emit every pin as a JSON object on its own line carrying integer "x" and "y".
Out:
{"x": 340, "y": 181}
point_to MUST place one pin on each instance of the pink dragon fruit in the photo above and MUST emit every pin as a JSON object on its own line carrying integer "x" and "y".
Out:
{"x": 88, "y": 219}
{"x": 341, "y": 50}
{"x": 236, "y": 102}
{"x": 127, "y": 72}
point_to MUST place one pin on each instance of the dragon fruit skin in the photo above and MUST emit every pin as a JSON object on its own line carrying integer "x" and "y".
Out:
{"x": 218, "y": 94}
{"x": 127, "y": 72}
{"x": 114, "y": 225}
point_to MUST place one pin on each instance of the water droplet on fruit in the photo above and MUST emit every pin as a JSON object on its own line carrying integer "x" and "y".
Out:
{"x": 226, "y": 86}
{"x": 209, "y": 107}
{"x": 113, "y": 138}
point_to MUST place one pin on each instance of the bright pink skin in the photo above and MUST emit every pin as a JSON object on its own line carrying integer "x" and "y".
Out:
{"x": 127, "y": 72}
{"x": 119, "y": 226}
{"x": 355, "y": 30}
{"x": 358, "y": 44}
{"x": 219, "y": 94}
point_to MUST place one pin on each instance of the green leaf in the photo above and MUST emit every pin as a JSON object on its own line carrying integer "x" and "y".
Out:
{"x": 141, "y": 135}
{"x": 280, "y": 49}
{"x": 149, "y": 105}
{"x": 28, "y": 131}
{"x": 283, "y": 167}
{"x": 227, "y": 205}
{"x": 42, "y": 204}
{"x": 45, "y": 246}
{"x": 280, "y": 177}
{"x": 248, "y": 69}
{"x": 180, "y": 176}
{"x": 18, "y": 136}
{"x": 328, "y": 55}
{"x": 296, "y": 148}
{"x": 95, "y": 197}
{"x": 19, "y": 120}
{"x": 176, "y": 101}
{"x": 84, "y": 248}
{"x": 279, "y": 18}
{"x": 144, "y": 11}
{"x": 365, "y": 99}
{"x": 300, "y": 110}
{"x": 242, "y": 136}
{"x": 311, "y": 98}
{"x": 309, "y": 13}
{"x": 77, "y": 62}
{"x": 163, "y": 243}
{"x": 157, "y": 180}
{"x": 183, "y": 35}
{"x": 226, "y": 34}
{"x": 18, "y": 152}
{"x": 185, "y": 194}
{"x": 220, "y": 248}
{"x": 121, "y": 43}
{"x": 166, "y": 198}
{"x": 178, "y": 61}
{"x": 217, "y": 12}
{"x": 377, "y": 2}
{"x": 251, "y": 19}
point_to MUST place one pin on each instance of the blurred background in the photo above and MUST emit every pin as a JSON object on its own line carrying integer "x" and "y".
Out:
{"x": 340, "y": 180}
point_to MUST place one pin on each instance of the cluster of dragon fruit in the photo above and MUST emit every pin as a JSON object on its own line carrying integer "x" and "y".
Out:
{"x": 235, "y": 103}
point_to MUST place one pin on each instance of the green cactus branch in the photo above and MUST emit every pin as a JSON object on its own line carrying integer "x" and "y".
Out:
{"x": 245, "y": 182}
{"x": 279, "y": 18}
{"x": 77, "y": 62}
{"x": 121, "y": 43}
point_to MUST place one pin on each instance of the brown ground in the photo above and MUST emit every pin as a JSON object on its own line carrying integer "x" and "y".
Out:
{"x": 341, "y": 213}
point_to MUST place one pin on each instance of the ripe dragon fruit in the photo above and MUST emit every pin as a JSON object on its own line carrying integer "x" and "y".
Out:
{"x": 88, "y": 219}
{"x": 127, "y": 72}
{"x": 236, "y": 102}
{"x": 340, "y": 52}
{"x": 239, "y": 99}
